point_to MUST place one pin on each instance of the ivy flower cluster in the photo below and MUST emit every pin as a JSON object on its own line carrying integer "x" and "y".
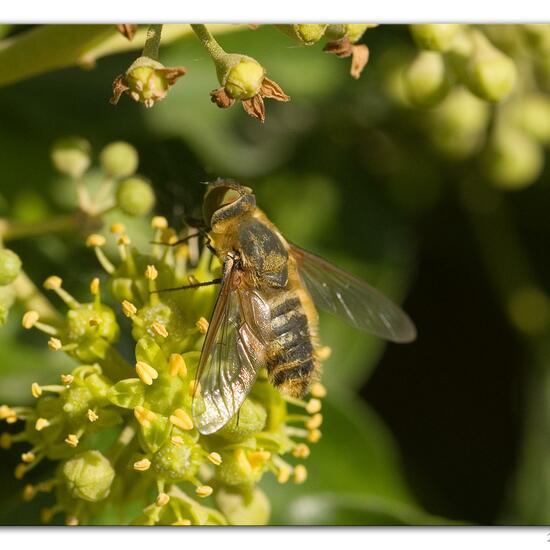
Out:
{"x": 486, "y": 91}
{"x": 119, "y": 426}
{"x": 241, "y": 77}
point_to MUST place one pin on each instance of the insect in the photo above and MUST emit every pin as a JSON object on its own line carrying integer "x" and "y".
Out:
{"x": 265, "y": 313}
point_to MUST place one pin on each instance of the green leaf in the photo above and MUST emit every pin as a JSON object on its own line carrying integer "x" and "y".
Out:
{"x": 128, "y": 393}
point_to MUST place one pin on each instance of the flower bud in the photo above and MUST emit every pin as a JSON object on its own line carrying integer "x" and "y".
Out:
{"x": 119, "y": 159}
{"x": 135, "y": 196}
{"x": 425, "y": 80}
{"x": 250, "y": 420}
{"x": 529, "y": 310}
{"x": 537, "y": 37}
{"x": 306, "y": 34}
{"x": 178, "y": 463}
{"x": 512, "y": 160}
{"x": 438, "y": 38}
{"x": 458, "y": 124}
{"x": 146, "y": 81}
{"x": 243, "y": 505}
{"x": 531, "y": 113}
{"x": 244, "y": 78}
{"x": 7, "y": 298}
{"x": 488, "y": 73}
{"x": 92, "y": 321}
{"x": 88, "y": 476}
{"x": 10, "y": 266}
{"x": 71, "y": 156}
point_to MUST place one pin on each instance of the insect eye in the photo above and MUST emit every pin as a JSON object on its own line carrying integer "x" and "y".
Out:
{"x": 216, "y": 199}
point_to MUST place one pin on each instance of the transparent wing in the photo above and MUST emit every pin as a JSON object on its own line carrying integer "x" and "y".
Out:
{"x": 352, "y": 299}
{"x": 232, "y": 354}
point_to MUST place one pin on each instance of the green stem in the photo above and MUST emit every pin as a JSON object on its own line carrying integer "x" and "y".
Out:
{"x": 152, "y": 43}
{"x": 12, "y": 231}
{"x": 27, "y": 293}
{"x": 209, "y": 42}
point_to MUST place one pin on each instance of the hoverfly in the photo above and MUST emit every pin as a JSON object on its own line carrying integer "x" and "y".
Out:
{"x": 265, "y": 315}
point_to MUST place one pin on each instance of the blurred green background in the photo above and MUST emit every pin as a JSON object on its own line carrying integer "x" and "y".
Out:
{"x": 452, "y": 428}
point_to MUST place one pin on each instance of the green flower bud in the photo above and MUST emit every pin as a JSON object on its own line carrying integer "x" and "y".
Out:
{"x": 180, "y": 462}
{"x": 244, "y": 78}
{"x": 457, "y": 125}
{"x": 88, "y": 476}
{"x": 537, "y": 37}
{"x": 306, "y": 34}
{"x": 352, "y": 31}
{"x": 435, "y": 37}
{"x": 531, "y": 113}
{"x": 425, "y": 80}
{"x": 7, "y": 298}
{"x": 513, "y": 160}
{"x": 251, "y": 419}
{"x": 119, "y": 159}
{"x": 488, "y": 73}
{"x": 71, "y": 156}
{"x": 243, "y": 505}
{"x": 92, "y": 321}
{"x": 146, "y": 81}
{"x": 135, "y": 196}
{"x": 10, "y": 266}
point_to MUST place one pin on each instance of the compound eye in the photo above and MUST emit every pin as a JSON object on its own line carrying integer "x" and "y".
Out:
{"x": 216, "y": 199}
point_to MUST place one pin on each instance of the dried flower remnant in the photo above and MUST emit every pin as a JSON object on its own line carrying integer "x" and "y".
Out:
{"x": 343, "y": 44}
{"x": 143, "y": 404}
{"x": 127, "y": 30}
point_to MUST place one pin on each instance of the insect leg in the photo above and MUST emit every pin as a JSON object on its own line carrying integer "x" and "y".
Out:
{"x": 179, "y": 241}
{"x": 184, "y": 287}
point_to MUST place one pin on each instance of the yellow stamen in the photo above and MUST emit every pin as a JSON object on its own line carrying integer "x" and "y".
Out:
{"x": 67, "y": 379}
{"x": 177, "y": 365}
{"x": 53, "y": 283}
{"x": 29, "y": 492}
{"x": 20, "y": 471}
{"x": 314, "y": 436}
{"x": 162, "y": 499}
{"x": 92, "y": 415}
{"x": 159, "y": 222}
{"x": 283, "y": 475}
{"x": 95, "y": 240}
{"x": 144, "y": 416}
{"x": 314, "y": 422}
{"x": 40, "y": 424}
{"x": 128, "y": 308}
{"x": 257, "y": 459}
{"x": 215, "y": 458}
{"x": 28, "y": 457}
{"x": 313, "y": 406}
{"x": 36, "y": 390}
{"x": 323, "y": 353}
{"x": 146, "y": 372}
{"x": 318, "y": 390}
{"x": 300, "y": 473}
{"x": 182, "y": 521}
{"x": 11, "y": 419}
{"x": 71, "y": 521}
{"x": 202, "y": 325}
{"x": 123, "y": 240}
{"x": 181, "y": 420}
{"x": 160, "y": 329}
{"x": 54, "y": 344}
{"x": 6, "y": 412}
{"x": 29, "y": 319}
{"x": 5, "y": 440}
{"x": 301, "y": 451}
{"x": 194, "y": 387}
{"x": 117, "y": 228}
{"x": 151, "y": 272}
{"x": 142, "y": 465}
{"x": 176, "y": 440}
{"x": 94, "y": 286}
{"x": 204, "y": 491}
{"x": 46, "y": 515}
{"x": 72, "y": 440}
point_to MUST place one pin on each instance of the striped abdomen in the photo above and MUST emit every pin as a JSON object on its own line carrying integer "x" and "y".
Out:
{"x": 291, "y": 363}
